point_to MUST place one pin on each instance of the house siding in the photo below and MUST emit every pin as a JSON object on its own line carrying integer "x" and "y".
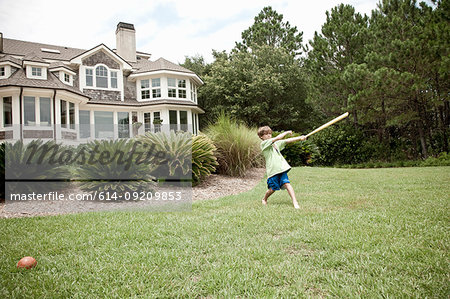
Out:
{"x": 100, "y": 57}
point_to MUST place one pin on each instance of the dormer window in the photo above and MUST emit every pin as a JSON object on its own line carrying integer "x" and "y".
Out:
{"x": 36, "y": 71}
{"x": 101, "y": 76}
{"x": 2, "y": 71}
{"x": 67, "y": 78}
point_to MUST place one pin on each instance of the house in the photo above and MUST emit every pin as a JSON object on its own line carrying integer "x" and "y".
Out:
{"x": 62, "y": 93}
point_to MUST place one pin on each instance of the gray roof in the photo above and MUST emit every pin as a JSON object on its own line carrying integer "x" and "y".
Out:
{"x": 58, "y": 64}
{"x": 32, "y": 51}
{"x": 10, "y": 59}
{"x": 23, "y": 48}
{"x": 19, "y": 78}
{"x": 143, "y": 66}
{"x": 33, "y": 57}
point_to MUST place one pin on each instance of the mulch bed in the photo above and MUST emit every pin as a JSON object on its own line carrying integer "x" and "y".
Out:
{"x": 214, "y": 187}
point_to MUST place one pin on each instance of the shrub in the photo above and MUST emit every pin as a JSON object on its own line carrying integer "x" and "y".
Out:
{"x": 342, "y": 144}
{"x": 299, "y": 153}
{"x": 238, "y": 147}
{"x": 203, "y": 160}
{"x": 109, "y": 172}
{"x": 35, "y": 162}
{"x": 174, "y": 153}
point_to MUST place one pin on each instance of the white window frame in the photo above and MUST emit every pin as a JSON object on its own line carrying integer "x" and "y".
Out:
{"x": 193, "y": 91}
{"x": 93, "y": 69}
{"x": 68, "y": 126}
{"x": 2, "y": 71}
{"x": 177, "y": 88}
{"x": 111, "y": 77}
{"x": 34, "y": 71}
{"x": 156, "y": 88}
{"x": 148, "y": 89}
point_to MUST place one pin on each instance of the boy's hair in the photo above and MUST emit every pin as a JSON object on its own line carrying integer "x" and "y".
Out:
{"x": 264, "y": 130}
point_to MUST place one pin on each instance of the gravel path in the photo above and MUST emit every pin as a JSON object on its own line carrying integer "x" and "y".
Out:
{"x": 215, "y": 186}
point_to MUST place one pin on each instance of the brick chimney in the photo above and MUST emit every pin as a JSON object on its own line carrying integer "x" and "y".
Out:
{"x": 126, "y": 41}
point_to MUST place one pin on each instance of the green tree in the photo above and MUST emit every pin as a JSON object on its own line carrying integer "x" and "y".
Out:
{"x": 261, "y": 81}
{"x": 197, "y": 64}
{"x": 262, "y": 87}
{"x": 269, "y": 29}
{"x": 339, "y": 45}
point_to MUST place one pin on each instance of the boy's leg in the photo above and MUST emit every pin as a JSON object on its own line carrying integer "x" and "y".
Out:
{"x": 266, "y": 196}
{"x": 291, "y": 192}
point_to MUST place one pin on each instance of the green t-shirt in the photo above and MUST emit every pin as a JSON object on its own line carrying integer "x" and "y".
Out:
{"x": 275, "y": 162}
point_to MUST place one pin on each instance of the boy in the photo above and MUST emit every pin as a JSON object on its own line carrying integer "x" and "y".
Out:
{"x": 276, "y": 165}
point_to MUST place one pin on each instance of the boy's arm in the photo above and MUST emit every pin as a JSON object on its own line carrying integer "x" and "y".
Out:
{"x": 293, "y": 139}
{"x": 281, "y": 136}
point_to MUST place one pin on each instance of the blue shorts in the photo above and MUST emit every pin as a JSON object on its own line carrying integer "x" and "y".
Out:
{"x": 277, "y": 181}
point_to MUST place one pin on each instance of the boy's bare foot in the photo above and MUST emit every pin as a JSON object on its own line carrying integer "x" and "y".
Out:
{"x": 296, "y": 205}
{"x": 264, "y": 202}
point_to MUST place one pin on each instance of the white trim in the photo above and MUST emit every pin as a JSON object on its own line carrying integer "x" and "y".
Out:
{"x": 29, "y": 72}
{"x": 162, "y": 72}
{"x": 34, "y": 63}
{"x": 62, "y": 69}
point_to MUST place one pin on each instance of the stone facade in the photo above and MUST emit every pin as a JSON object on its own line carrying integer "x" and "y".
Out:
{"x": 37, "y": 134}
{"x": 6, "y": 135}
{"x": 100, "y": 57}
{"x": 68, "y": 135}
{"x": 103, "y": 95}
{"x": 129, "y": 89}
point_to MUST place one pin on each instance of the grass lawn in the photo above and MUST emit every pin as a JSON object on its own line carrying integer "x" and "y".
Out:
{"x": 360, "y": 233}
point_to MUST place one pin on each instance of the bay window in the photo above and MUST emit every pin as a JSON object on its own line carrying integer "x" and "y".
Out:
{"x": 29, "y": 112}
{"x": 145, "y": 89}
{"x": 173, "y": 120}
{"x": 63, "y": 112}
{"x": 182, "y": 89}
{"x": 172, "y": 84}
{"x": 44, "y": 112}
{"x": 147, "y": 122}
{"x": 156, "y": 88}
{"x": 124, "y": 124}
{"x": 7, "y": 111}
{"x": 85, "y": 123}
{"x": 183, "y": 120}
{"x": 157, "y": 121}
{"x": 104, "y": 124}
{"x": 72, "y": 115}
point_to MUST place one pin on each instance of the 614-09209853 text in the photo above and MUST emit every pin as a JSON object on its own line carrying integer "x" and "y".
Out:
{"x": 98, "y": 196}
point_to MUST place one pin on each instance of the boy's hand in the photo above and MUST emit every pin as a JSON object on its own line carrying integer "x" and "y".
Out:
{"x": 289, "y": 132}
{"x": 303, "y": 138}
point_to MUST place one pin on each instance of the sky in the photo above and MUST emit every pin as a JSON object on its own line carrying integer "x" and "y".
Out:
{"x": 171, "y": 29}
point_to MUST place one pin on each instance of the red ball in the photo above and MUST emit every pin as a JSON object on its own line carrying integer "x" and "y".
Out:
{"x": 27, "y": 262}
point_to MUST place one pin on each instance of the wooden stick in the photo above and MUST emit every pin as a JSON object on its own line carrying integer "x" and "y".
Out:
{"x": 328, "y": 123}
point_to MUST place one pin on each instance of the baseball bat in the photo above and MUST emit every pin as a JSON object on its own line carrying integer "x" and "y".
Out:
{"x": 341, "y": 117}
